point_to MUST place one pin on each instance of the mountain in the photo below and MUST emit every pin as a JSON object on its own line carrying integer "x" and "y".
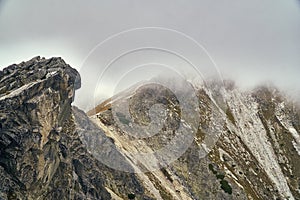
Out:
{"x": 208, "y": 141}
{"x": 42, "y": 156}
{"x": 246, "y": 145}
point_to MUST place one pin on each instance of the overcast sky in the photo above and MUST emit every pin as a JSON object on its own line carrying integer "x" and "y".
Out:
{"x": 251, "y": 41}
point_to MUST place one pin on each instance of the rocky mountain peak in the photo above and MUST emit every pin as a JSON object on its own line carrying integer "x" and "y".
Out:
{"x": 41, "y": 154}
{"x": 246, "y": 144}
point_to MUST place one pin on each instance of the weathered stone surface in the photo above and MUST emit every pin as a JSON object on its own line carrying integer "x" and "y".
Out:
{"x": 51, "y": 150}
{"x": 41, "y": 154}
{"x": 257, "y": 155}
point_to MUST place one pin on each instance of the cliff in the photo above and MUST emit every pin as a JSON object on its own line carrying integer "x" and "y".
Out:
{"x": 42, "y": 156}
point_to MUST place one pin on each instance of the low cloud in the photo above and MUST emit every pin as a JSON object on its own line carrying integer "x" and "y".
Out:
{"x": 254, "y": 42}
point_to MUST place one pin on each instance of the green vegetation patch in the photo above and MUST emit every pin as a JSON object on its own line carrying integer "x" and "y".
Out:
{"x": 224, "y": 184}
{"x": 131, "y": 196}
{"x": 220, "y": 176}
{"x": 226, "y": 187}
{"x": 211, "y": 168}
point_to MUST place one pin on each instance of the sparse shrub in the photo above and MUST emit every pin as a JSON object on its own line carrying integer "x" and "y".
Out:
{"x": 226, "y": 187}
{"x": 131, "y": 196}
{"x": 220, "y": 176}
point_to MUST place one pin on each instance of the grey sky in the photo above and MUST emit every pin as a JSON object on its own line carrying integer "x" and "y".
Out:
{"x": 251, "y": 41}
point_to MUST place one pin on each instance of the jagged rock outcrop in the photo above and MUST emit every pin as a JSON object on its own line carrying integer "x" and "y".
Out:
{"x": 35, "y": 103}
{"x": 41, "y": 154}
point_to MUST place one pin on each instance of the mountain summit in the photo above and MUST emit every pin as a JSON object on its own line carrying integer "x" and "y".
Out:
{"x": 245, "y": 145}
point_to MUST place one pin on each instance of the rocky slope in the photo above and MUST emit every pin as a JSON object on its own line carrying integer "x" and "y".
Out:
{"x": 246, "y": 144}
{"x": 256, "y": 154}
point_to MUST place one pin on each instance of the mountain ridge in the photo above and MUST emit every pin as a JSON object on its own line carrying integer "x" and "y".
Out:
{"x": 246, "y": 144}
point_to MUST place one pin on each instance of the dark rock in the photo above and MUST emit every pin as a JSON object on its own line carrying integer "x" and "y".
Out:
{"x": 41, "y": 154}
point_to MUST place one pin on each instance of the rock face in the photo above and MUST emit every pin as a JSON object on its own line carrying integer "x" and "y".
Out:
{"x": 35, "y": 104}
{"x": 51, "y": 150}
{"x": 41, "y": 154}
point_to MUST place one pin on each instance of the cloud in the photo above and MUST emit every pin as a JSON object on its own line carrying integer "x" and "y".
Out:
{"x": 251, "y": 42}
